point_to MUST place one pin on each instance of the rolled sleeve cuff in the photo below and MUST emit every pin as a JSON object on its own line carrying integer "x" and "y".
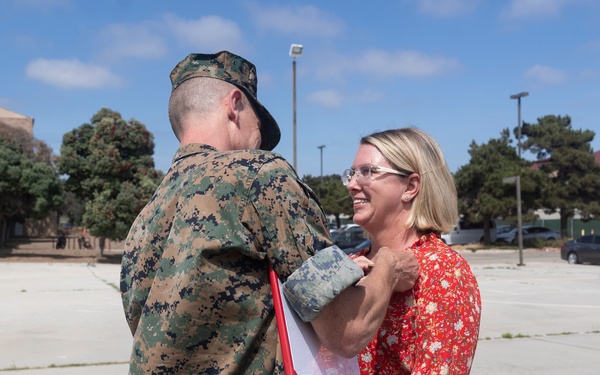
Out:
{"x": 319, "y": 280}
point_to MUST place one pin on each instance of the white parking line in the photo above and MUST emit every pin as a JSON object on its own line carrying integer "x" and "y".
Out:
{"x": 502, "y": 292}
{"x": 484, "y": 301}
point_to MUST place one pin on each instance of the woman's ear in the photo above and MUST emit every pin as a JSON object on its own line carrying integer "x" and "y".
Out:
{"x": 412, "y": 187}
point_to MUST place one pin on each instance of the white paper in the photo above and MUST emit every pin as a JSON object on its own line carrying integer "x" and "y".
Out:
{"x": 305, "y": 348}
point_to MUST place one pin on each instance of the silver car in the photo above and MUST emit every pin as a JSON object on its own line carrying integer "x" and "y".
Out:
{"x": 529, "y": 232}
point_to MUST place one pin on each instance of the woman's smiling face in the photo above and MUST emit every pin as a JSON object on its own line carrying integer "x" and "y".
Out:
{"x": 377, "y": 200}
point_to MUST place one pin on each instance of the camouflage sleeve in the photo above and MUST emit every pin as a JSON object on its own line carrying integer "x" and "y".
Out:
{"x": 286, "y": 217}
{"x": 319, "y": 280}
{"x": 292, "y": 229}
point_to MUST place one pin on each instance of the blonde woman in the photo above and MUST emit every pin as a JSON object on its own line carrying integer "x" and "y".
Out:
{"x": 404, "y": 197}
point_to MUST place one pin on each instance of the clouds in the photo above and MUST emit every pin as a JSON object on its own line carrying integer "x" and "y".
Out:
{"x": 132, "y": 41}
{"x": 42, "y": 4}
{"x": 447, "y": 8}
{"x": 299, "y": 21}
{"x": 534, "y": 8}
{"x": 545, "y": 75}
{"x": 154, "y": 38}
{"x": 375, "y": 66}
{"x": 211, "y": 33}
{"x": 144, "y": 40}
{"x": 71, "y": 74}
{"x": 516, "y": 9}
{"x": 334, "y": 99}
{"x": 320, "y": 28}
{"x": 403, "y": 64}
{"x": 331, "y": 98}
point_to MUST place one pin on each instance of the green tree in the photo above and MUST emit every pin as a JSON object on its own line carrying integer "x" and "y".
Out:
{"x": 332, "y": 194}
{"x": 482, "y": 195}
{"x": 567, "y": 161}
{"x": 28, "y": 188}
{"x": 110, "y": 167}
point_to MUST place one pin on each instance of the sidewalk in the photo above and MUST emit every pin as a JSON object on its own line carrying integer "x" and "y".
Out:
{"x": 66, "y": 318}
{"x": 62, "y": 318}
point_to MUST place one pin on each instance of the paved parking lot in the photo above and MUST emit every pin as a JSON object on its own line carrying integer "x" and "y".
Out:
{"x": 540, "y": 318}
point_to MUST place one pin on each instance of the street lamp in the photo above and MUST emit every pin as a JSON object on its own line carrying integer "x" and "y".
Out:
{"x": 518, "y": 97}
{"x": 295, "y": 51}
{"x": 321, "y": 148}
{"x": 518, "y": 181}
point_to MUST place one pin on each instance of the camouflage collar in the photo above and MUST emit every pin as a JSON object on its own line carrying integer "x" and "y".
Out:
{"x": 192, "y": 149}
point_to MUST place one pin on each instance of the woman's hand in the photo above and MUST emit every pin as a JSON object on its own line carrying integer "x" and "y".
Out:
{"x": 364, "y": 263}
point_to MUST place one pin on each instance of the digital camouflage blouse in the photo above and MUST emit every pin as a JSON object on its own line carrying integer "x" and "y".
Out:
{"x": 194, "y": 277}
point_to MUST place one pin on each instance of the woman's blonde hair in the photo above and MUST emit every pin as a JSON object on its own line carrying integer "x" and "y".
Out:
{"x": 412, "y": 150}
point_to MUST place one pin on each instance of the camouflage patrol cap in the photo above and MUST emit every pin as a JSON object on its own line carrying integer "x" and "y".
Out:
{"x": 236, "y": 70}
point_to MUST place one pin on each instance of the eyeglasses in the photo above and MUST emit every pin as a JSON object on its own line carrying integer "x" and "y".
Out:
{"x": 363, "y": 173}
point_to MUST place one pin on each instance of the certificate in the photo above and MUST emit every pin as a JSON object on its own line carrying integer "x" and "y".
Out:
{"x": 307, "y": 355}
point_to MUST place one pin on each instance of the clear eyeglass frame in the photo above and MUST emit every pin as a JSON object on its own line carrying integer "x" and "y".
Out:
{"x": 364, "y": 172}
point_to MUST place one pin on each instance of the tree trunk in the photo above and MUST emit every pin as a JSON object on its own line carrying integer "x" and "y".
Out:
{"x": 101, "y": 243}
{"x": 564, "y": 222}
{"x": 486, "y": 232}
{"x": 3, "y": 230}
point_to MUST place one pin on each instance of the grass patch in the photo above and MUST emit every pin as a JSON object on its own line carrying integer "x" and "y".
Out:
{"x": 510, "y": 336}
{"x": 14, "y": 368}
{"x": 499, "y": 268}
{"x": 564, "y": 333}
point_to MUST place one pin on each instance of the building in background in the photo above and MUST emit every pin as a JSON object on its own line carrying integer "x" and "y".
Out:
{"x": 16, "y": 121}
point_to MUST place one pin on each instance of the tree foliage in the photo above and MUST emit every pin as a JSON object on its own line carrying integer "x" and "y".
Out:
{"x": 28, "y": 188}
{"x": 567, "y": 161}
{"x": 332, "y": 194}
{"x": 482, "y": 195}
{"x": 110, "y": 167}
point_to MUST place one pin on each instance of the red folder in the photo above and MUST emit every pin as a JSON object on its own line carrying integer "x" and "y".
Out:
{"x": 288, "y": 363}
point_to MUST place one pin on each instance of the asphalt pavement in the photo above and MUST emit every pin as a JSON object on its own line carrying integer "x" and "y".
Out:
{"x": 539, "y": 318}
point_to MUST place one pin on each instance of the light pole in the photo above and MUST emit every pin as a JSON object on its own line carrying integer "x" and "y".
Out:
{"x": 321, "y": 148}
{"x": 518, "y": 181}
{"x": 295, "y": 51}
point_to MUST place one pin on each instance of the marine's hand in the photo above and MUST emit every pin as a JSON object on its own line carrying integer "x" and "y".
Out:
{"x": 406, "y": 267}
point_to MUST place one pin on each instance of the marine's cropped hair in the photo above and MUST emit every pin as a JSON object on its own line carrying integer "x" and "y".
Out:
{"x": 195, "y": 97}
{"x": 412, "y": 150}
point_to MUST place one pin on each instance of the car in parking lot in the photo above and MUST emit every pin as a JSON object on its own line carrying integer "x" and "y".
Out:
{"x": 466, "y": 232}
{"x": 348, "y": 238}
{"x": 361, "y": 246}
{"x": 503, "y": 229}
{"x": 585, "y": 249}
{"x": 529, "y": 232}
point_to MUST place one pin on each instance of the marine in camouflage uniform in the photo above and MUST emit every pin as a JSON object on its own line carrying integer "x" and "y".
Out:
{"x": 194, "y": 276}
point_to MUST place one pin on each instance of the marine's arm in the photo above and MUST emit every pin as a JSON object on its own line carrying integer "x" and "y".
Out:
{"x": 293, "y": 229}
{"x": 346, "y": 314}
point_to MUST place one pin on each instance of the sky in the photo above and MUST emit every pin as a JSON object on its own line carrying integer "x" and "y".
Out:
{"x": 448, "y": 67}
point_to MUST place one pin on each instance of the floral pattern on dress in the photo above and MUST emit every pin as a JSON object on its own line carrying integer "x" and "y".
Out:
{"x": 433, "y": 328}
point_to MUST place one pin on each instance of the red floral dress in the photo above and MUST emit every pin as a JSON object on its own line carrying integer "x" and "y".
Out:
{"x": 432, "y": 329}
